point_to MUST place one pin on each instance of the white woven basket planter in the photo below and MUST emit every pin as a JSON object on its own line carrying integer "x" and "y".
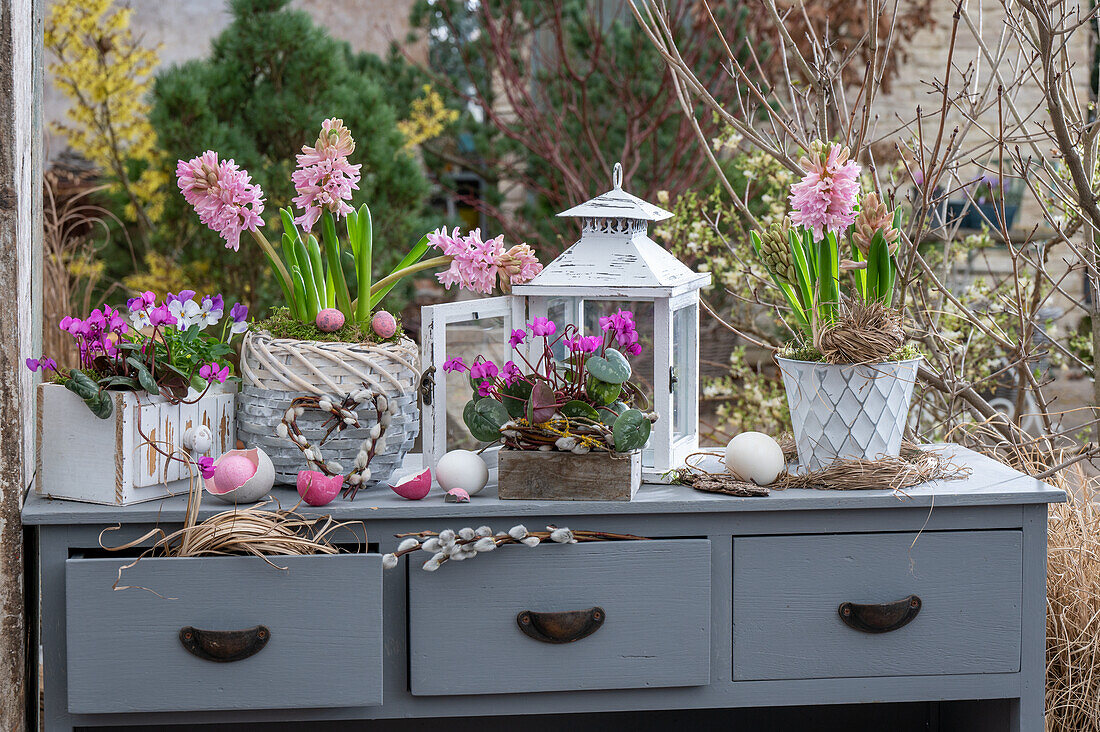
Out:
{"x": 277, "y": 370}
{"x": 845, "y": 411}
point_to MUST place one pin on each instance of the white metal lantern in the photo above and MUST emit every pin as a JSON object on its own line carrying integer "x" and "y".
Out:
{"x": 614, "y": 265}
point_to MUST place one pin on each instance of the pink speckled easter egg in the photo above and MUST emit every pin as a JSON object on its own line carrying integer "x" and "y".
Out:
{"x": 232, "y": 471}
{"x": 330, "y": 320}
{"x": 383, "y": 324}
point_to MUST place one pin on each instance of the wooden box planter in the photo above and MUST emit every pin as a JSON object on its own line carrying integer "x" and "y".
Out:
{"x": 109, "y": 461}
{"x": 564, "y": 476}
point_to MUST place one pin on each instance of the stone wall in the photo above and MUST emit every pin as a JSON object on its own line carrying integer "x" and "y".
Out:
{"x": 183, "y": 30}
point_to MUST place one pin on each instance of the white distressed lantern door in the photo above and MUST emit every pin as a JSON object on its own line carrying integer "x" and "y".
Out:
{"x": 464, "y": 329}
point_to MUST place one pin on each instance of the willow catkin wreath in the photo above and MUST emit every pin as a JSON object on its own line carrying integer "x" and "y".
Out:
{"x": 342, "y": 416}
{"x": 912, "y": 467}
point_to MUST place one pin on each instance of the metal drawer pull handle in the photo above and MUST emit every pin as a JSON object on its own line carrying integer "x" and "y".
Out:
{"x": 564, "y": 627}
{"x": 880, "y": 618}
{"x": 224, "y": 646}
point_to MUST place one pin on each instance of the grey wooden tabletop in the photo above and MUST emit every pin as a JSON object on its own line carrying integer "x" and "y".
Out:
{"x": 989, "y": 483}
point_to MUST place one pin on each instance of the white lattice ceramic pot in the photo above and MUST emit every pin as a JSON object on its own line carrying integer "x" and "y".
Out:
{"x": 275, "y": 371}
{"x": 847, "y": 411}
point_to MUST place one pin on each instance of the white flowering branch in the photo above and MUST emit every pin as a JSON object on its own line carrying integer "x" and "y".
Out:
{"x": 450, "y": 545}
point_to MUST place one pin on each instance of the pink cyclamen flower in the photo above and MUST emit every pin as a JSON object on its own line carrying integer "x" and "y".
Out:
{"x": 510, "y": 373}
{"x": 584, "y": 344}
{"x": 206, "y": 467}
{"x": 542, "y": 327}
{"x": 223, "y": 195}
{"x": 518, "y": 337}
{"x": 825, "y": 198}
{"x": 455, "y": 364}
{"x": 325, "y": 179}
{"x": 487, "y": 388}
{"x": 212, "y": 373}
{"x": 484, "y": 369}
{"x": 44, "y": 363}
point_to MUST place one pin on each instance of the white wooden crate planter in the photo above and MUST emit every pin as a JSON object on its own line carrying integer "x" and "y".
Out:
{"x": 109, "y": 461}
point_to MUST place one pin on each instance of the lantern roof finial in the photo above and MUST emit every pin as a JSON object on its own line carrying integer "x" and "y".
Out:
{"x": 618, "y": 204}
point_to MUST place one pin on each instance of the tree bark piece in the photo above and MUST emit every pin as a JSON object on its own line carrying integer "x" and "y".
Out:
{"x": 20, "y": 313}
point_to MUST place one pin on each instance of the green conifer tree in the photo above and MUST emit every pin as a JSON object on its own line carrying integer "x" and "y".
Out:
{"x": 271, "y": 78}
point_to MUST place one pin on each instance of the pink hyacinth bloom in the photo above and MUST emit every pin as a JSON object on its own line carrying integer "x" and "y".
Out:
{"x": 325, "y": 179}
{"x": 476, "y": 264}
{"x": 825, "y": 198}
{"x": 223, "y": 195}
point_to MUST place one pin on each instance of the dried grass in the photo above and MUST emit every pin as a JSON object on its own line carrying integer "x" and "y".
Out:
{"x": 1073, "y": 606}
{"x": 255, "y": 530}
{"x": 914, "y": 466}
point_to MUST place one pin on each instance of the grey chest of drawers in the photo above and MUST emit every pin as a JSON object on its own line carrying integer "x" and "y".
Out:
{"x": 801, "y": 598}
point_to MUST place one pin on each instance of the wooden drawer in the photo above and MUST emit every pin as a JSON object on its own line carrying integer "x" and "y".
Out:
{"x": 465, "y": 634}
{"x": 324, "y": 646}
{"x": 787, "y": 591}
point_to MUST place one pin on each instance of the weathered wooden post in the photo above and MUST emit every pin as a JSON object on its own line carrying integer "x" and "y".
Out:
{"x": 20, "y": 324}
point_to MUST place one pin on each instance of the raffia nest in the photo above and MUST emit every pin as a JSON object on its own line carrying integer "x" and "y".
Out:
{"x": 914, "y": 466}
{"x": 863, "y": 333}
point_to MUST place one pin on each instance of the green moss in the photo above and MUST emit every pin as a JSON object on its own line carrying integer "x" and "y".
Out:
{"x": 806, "y": 352}
{"x": 282, "y": 325}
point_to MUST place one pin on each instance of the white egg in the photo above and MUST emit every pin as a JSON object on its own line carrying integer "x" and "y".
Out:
{"x": 462, "y": 469}
{"x": 754, "y": 456}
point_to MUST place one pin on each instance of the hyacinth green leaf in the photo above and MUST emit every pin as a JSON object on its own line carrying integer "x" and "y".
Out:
{"x": 484, "y": 417}
{"x": 602, "y": 392}
{"x": 289, "y": 227}
{"x": 631, "y": 431}
{"x": 577, "y": 409}
{"x": 612, "y": 367}
{"x": 312, "y": 300}
{"x": 802, "y": 271}
{"x": 332, "y": 252}
{"x": 810, "y": 252}
{"x": 514, "y": 398}
{"x": 299, "y": 284}
{"x": 828, "y": 283}
{"x": 317, "y": 267}
{"x": 879, "y": 266}
{"x": 363, "y": 263}
{"x": 859, "y": 275}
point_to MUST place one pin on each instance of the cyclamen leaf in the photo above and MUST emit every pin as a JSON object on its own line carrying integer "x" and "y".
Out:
{"x": 601, "y": 392}
{"x": 631, "y": 431}
{"x": 541, "y": 405}
{"x": 101, "y": 405}
{"x": 82, "y": 385}
{"x": 484, "y": 418}
{"x": 577, "y": 408}
{"x": 612, "y": 367}
{"x": 514, "y": 398}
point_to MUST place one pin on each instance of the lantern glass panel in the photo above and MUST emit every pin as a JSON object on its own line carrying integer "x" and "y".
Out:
{"x": 467, "y": 340}
{"x": 642, "y": 364}
{"x": 685, "y": 338}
